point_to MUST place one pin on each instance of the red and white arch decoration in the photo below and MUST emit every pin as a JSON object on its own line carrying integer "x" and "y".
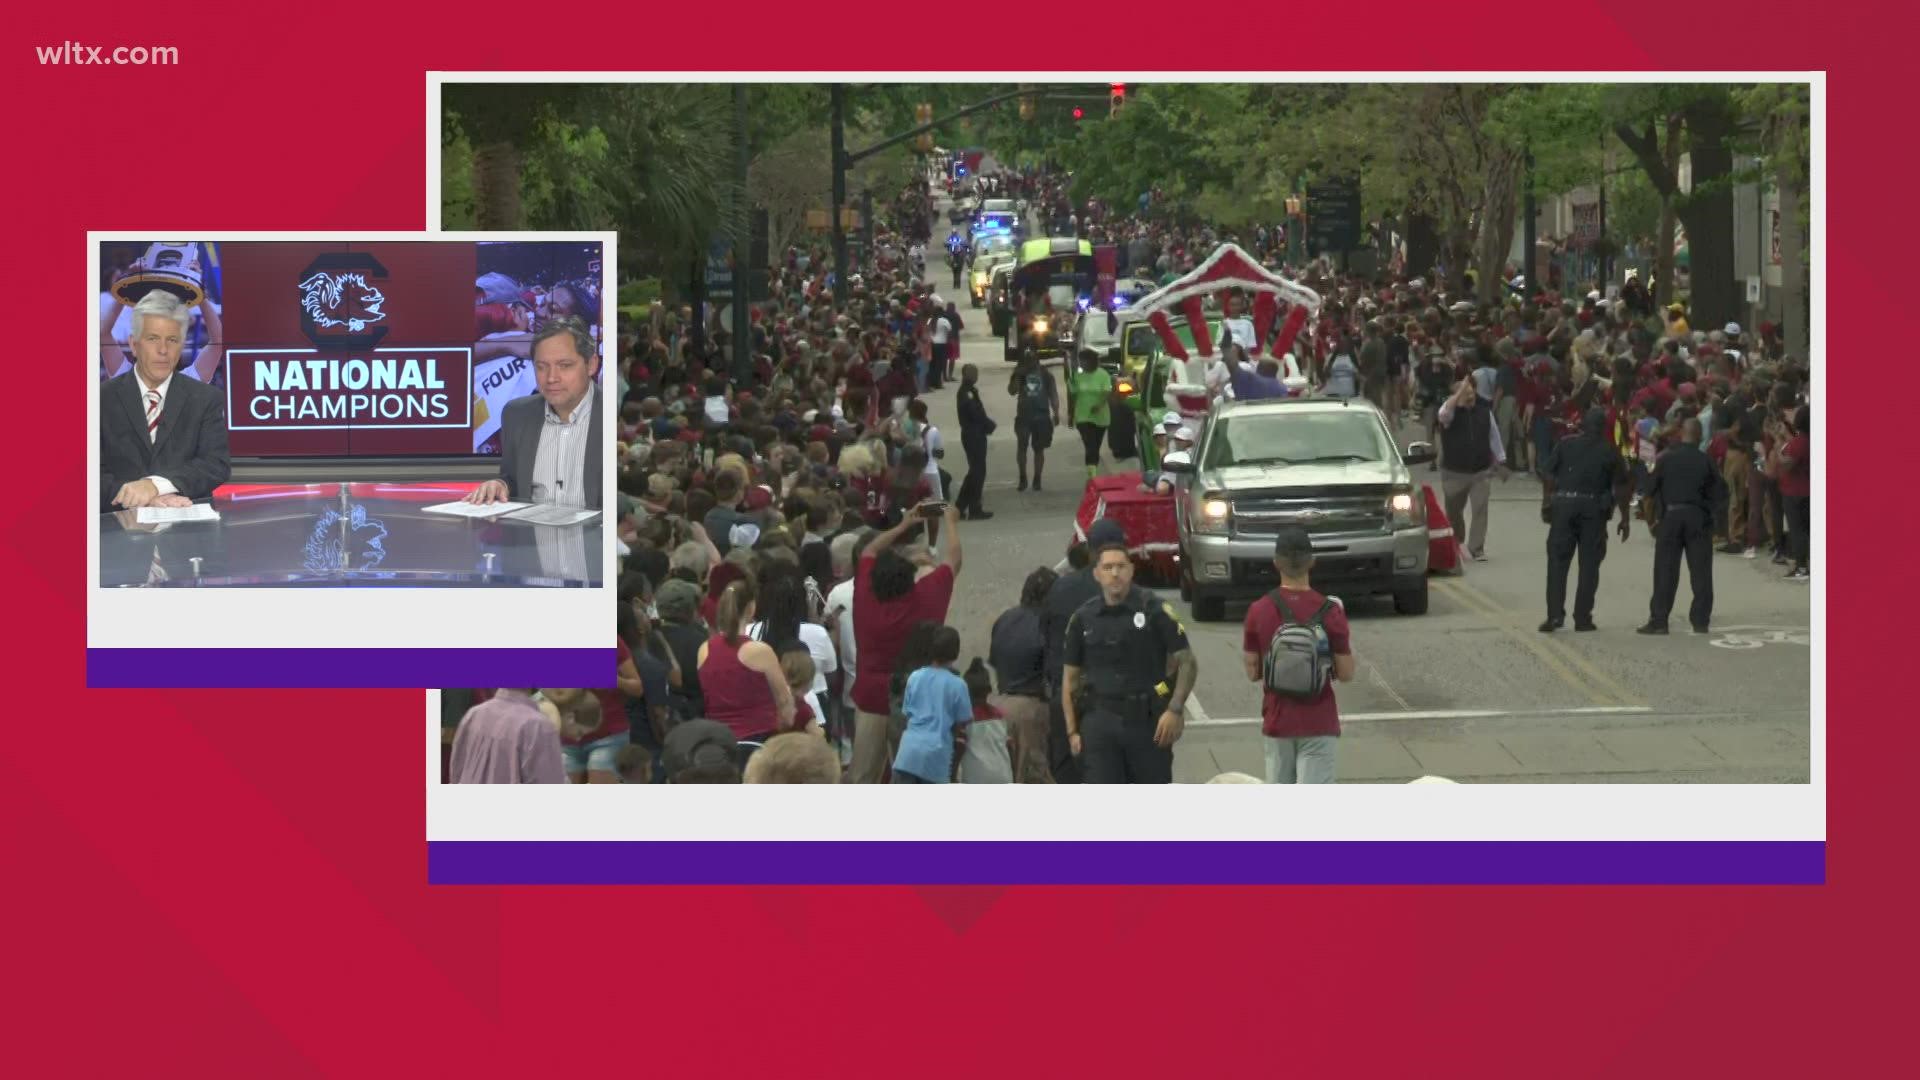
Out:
{"x": 1227, "y": 268}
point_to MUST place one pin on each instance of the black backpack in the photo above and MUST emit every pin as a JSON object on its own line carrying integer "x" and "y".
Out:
{"x": 1299, "y": 660}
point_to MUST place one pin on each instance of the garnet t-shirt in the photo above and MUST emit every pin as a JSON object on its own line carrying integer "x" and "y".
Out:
{"x": 1797, "y": 480}
{"x": 880, "y": 628}
{"x": 1285, "y": 718}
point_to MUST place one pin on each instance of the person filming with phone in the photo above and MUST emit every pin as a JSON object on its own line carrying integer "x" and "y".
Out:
{"x": 892, "y": 593}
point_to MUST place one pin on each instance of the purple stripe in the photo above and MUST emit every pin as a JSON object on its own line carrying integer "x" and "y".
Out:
{"x": 986, "y": 862}
{"x": 371, "y": 668}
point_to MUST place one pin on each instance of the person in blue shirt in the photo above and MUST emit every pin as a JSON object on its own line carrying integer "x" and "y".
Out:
{"x": 935, "y": 704}
{"x": 1251, "y": 383}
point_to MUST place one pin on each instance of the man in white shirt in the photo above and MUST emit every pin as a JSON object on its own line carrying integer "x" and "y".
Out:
{"x": 163, "y": 440}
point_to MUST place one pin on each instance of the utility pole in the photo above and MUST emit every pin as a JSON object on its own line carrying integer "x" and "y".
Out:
{"x": 1529, "y": 263}
{"x": 1606, "y": 252}
{"x": 742, "y": 244}
{"x": 836, "y": 95}
{"x": 866, "y": 220}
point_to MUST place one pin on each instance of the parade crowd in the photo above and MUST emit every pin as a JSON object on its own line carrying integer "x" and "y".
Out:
{"x": 791, "y": 529}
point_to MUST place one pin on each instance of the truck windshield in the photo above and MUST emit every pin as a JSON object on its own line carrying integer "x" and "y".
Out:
{"x": 1296, "y": 438}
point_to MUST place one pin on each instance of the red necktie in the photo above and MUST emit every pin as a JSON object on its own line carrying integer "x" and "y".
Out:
{"x": 153, "y": 414}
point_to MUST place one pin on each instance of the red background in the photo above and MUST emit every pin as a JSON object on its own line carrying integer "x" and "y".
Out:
{"x": 233, "y": 883}
{"x": 429, "y": 291}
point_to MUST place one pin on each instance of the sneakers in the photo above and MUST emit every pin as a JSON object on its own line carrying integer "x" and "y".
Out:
{"x": 1731, "y": 549}
{"x": 1750, "y": 553}
{"x": 1479, "y": 556}
{"x": 1780, "y": 559}
{"x": 1800, "y": 574}
{"x": 1650, "y": 628}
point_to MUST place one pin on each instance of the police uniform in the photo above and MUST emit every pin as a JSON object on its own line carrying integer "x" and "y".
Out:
{"x": 1121, "y": 651}
{"x": 1585, "y": 470}
{"x": 1691, "y": 492}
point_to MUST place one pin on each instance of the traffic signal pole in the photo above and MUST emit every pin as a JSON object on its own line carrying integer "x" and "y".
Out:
{"x": 844, "y": 159}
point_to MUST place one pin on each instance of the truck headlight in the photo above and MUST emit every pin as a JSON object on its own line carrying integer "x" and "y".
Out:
{"x": 1215, "y": 511}
{"x": 1039, "y": 326}
{"x": 1400, "y": 509}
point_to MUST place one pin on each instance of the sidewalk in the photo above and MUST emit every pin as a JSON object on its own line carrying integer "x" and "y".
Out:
{"x": 1561, "y": 747}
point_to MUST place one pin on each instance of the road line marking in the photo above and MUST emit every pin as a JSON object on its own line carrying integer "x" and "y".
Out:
{"x": 1598, "y": 678}
{"x": 1195, "y": 714}
{"x": 1442, "y": 714}
{"x": 1499, "y": 619}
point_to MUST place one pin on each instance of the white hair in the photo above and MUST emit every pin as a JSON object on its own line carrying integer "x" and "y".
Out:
{"x": 163, "y": 305}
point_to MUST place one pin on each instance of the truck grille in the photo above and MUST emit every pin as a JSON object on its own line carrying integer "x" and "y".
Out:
{"x": 1347, "y": 512}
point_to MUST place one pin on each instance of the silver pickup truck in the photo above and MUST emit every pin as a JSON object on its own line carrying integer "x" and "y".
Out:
{"x": 1327, "y": 465}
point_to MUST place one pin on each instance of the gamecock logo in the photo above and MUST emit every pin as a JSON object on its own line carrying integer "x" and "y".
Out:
{"x": 341, "y": 300}
{"x": 342, "y": 305}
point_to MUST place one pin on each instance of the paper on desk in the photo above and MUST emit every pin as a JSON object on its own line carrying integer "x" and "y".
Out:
{"x": 475, "y": 510}
{"x": 163, "y": 515}
{"x": 556, "y": 515}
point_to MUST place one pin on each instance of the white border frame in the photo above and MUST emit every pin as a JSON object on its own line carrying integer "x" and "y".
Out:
{"x": 1181, "y": 811}
{"x": 371, "y": 618}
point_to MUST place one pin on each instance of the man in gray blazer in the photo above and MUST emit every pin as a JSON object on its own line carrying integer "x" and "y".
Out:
{"x": 163, "y": 433}
{"x": 550, "y": 441}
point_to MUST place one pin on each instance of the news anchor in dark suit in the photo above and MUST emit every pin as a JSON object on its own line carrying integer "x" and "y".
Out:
{"x": 163, "y": 434}
{"x": 550, "y": 441}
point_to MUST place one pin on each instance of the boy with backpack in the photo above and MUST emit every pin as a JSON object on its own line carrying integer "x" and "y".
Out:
{"x": 1295, "y": 646}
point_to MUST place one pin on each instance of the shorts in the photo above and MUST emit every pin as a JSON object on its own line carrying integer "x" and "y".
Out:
{"x": 599, "y": 755}
{"x": 1035, "y": 433}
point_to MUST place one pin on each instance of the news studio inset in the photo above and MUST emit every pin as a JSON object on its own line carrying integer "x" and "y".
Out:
{"x": 365, "y": 414}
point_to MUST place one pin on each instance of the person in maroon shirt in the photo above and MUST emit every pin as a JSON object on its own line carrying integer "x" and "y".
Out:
{"x": 740, "y": 679}
{"x": 1793, "y": 466}
{"x": 888, "y": 599}
{"x": 1301, "y": 736}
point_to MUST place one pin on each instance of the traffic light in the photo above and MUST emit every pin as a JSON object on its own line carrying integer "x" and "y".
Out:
{"x": 923, "y": 115}
{"x": 1027, "y": 102}
{"x": 1078, "y": 112}
{"x": 1117, "y": 98}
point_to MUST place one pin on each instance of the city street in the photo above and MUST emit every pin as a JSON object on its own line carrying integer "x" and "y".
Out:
{"x": 1470, "y": 691}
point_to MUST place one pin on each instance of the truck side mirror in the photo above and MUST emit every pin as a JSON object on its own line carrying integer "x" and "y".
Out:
{"x": 1177, "y": 461}
{"x": 1418, "y": 453}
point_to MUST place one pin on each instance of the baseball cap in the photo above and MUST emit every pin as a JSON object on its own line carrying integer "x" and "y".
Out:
{"x": 1291, "y": 541}
{"x": 1171, "y": 421}
{"x": 1106, "y": 531}
{"x": 1185, "y": 434}
{"x": 697, "y": 742}
{"x": 1732, "y": 329}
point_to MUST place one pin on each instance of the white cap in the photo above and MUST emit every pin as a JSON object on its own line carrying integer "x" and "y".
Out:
{"x": 1185, "y": 434}
{"x": 1170, "y": 421}
{"x": 1733, "y": 329}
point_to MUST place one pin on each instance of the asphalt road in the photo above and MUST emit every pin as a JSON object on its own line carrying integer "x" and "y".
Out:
{"x": 1470, "y": 690}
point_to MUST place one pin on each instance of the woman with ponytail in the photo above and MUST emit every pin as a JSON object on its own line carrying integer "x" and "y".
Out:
{"x": 740, "y": 678}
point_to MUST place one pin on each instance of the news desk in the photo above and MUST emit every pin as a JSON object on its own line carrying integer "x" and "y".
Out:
{"x": 335, "y": 535}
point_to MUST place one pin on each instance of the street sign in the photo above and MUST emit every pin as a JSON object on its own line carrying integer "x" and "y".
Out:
{"x": 1333, "y": 215}
{"x": 719, "y": 269}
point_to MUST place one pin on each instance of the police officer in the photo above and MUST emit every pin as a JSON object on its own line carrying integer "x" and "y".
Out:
{"x": 1127, "y": 673}
{"x": 1582, "y": 481}
{"x": 1690, "y": 491}
{"x": 1069, "y": 591}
